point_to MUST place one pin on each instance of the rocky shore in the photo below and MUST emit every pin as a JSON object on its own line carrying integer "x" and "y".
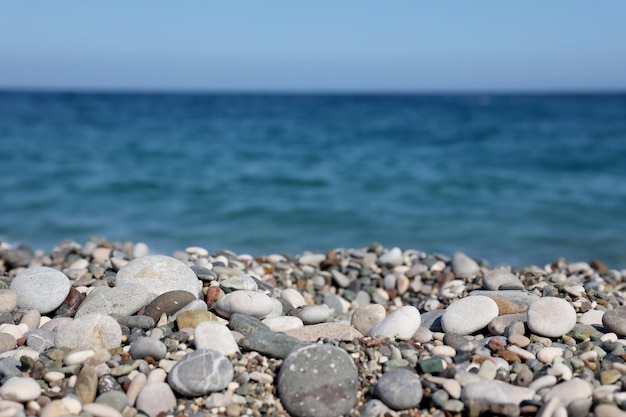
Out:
{"x": 106, "y": 329}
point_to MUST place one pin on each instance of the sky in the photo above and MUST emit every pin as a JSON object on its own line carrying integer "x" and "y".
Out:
{"x": 399, "y": 46}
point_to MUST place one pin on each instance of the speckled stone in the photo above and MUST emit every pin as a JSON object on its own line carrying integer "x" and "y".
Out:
{"x": 40, "y": 288}
{"x": 158, "y": 274}
{"x": 200, "y": 372}
{"x": 551, "y": 317}
{"x": 318, "y": 380}
{"x": 93, "y": 330}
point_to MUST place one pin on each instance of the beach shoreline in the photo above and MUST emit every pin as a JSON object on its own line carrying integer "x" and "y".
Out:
{"x": 412, "y": 333}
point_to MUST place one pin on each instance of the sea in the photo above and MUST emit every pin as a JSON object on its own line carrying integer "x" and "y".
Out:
{"x": 521, "y": 179}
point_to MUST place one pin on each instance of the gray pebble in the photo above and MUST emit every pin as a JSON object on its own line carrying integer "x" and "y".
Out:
{"x": 400, "y": 389}
{"x": 147, "y": 346}
{"x": 318, "y": 380}
{"x": 41, "y": 288}
{"x": 201, "y": 372}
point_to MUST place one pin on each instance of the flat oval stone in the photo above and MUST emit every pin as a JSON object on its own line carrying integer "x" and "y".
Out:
{"x": 251, "y": 303}
{"x": 469, "y": 314}
{"x": 315, "y": 314}
{"x": 20, "y": 389}
{"x": 200, "y": 372}
{"x": 7, "y": 342}
{"x": 169, "y": 303}
{"x": 87, "y": 384}
{"x": 92, "y": 331}
{"x": 333, "y": 330}
{"x": 551, "y": 317}
{"x": 399, "y": 389}
{"x": 155, "y": 398}
{"x": 158, "y": 274}
{"x": 569, "y": 391}
{"x": 292, "y": 297}
{"x": 464, "y": 266}
{"x": 40, "y": 288}
{"x": 501, "y": 279}
{"x": 318, "y": 381}
{"x": 615, "y": 321}
{"x": 216, "y": 336}
{"x": 240, "y": 282}
{"x": 401, "y": 324}
{"x": 123, "y": 300}
{"x": 283, "y": 323}
{"x": 147, "y": 346}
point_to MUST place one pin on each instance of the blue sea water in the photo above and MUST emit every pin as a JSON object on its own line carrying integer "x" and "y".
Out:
{"x": 513, "y": 179}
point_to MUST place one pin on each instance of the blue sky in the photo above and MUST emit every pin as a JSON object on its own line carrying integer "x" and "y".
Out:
{"x": 346, "y": 45}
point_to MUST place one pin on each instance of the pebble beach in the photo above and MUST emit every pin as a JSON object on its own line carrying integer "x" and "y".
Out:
{"x": 108, "y": 329}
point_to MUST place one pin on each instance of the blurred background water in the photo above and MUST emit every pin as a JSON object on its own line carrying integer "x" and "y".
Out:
{"x": 511, "y": 179}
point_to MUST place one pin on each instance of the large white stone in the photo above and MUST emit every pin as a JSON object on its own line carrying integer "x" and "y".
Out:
{"x": 401, "y": 324}
{"x": 20, "y": 389}
{"x": 251, "y": 303}
{"x": 469, "y": 314}
{"x": 551, "y": 317}
{"x": 40, "y": 288}
{"x": 93, "y": 331}
{"x": 159, "y": 274}
{"x": 216, "y": 336}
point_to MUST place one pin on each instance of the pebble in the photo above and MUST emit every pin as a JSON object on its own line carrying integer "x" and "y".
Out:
{"x": 551, "y": 317}
{"x": 468, "y": 315}
{"x": 86, "y": 385}
{"x": 240, "y": 282}
{"x": 250, "y": 303}
{"x": 123, "y": 300}
{"x": 168, "y": 303}
{"x": 158, "y": 274}
{"x": 401, "y": 324}
{"x": 315, "y": 314}
{"x": 147, "y": 347}
{"x": 318, "y": 380}
{"x": 463, "y": 266}
{"x": 482, "y": 394}
{"x": 283, "y": 323}
{"x": 608, "y": 410}
{"x": 547, "y": 354}
{"x": 365, "y": 317}
{"x": 569, "y": 391}
{"x": 266, "y": 342}
{"x": 615, "y": 321}
{"x": 40, "y": 288}
{"x": 20, "y": 389}
{"x": 393, "y": 257}
{"x": 399, "y": 389}
{"x": 101, "y": 410}
{"x": 335, "y": 330}
{"x": 155, "y": 398}
{"x": 93, "y": 331}
{"x": 8, "y": 301}
{"x": 32, "y": 319}
{"x": 216, "y": 336}
{"x": 292, "y": 297}
{"x": 501, "y": 279}
{"x": 200, "y": 372}
{"x": 192, "y": 318}
{"x": 7, "y": 342}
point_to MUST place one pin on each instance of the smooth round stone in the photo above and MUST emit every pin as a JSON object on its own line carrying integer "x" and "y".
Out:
{"x": 292, "y": 297}
{"x": 240, "y": 282}
{"x": 469, "y": 314}
{"x": 364, "y": 318}
{"x": 201, "y": 372}
{"x": 192, "y": 318}
{"x": 340, "y": 279}
{"x": 401, "y": 324}
{"x": 114, "y": 399}
{"x": 373, "y": 408}
{"x": 399, "y": 389}
{"x": 501, "y": 279}
{"x": 92, "y": 331}
{"x": 20, "y": 389}
{"x": 155, "y": 398}
{"x": 318, "y": 380}
{"x": 250, "y": 303}
{"x": 8, "y": 301}
{"x": 283, "y": 323}
{"x": 123, "y": 300}
{"x": 147, "y": 346}
{"x": 268, "y": 343}
{"x": 592, "y": 318}
{"x": 141, "y": 322}
{"x": 216, "y": 336}
{"x": 31, "y": 319}
{"x": 140, "y": 249}
{"x": 547, "y": 354}
{"x": 135, "y": 387}
{"x": 463, "y": 266}
{"x": 315, "y": 314}
{"x": 86, "y": 384}
{"x": 78, "y": 356}
{"x": 551, "y": 317}
{"x": 7, "y": 342}
{"x": 169, "y": 303}
{"x": 40, "y": 288}
{"x": 55, "y": 408}
{"x": 101, "y": 410}
{"x": 615, "y": 321}
{"x": 608, "y": 410}
{"x": 246, "y": 325}
{"x": 158, "y": 274}
{"x": 101, "y": 255}
{"x": 393, "y": 257}
{"x": 569, "y": 391}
